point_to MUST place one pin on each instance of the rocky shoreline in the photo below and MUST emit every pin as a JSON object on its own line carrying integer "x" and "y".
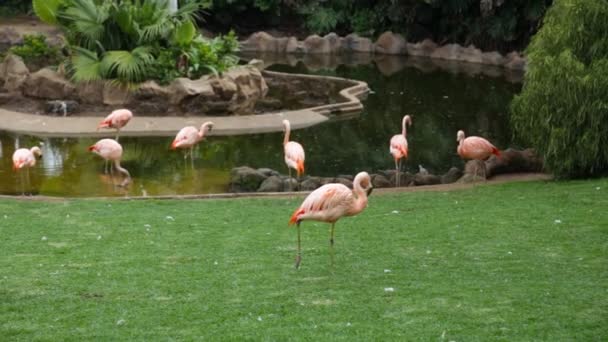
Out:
{"x": 388, "y": 43}
{"x": 248, "y": 179}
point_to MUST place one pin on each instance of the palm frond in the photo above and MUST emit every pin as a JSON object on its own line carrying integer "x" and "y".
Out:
{"x": 85, "y": 65}
{"x": 129, "y": 66}
{"x": 46, "y": 10}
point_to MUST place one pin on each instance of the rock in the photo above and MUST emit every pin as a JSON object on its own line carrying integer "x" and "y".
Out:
{"x": 271, "y": 184}
{"x": 264, "y": 42}
{"x": 257, "y": 63}
{"x": 426, "y": 179}
{"x": 451, "y": 176}
{"x": 422, "y": 49}
{"x": 61, "y": 108}
{"x": 344, "y": 181}
{"x": 290, "y": 184}
{"x": 354, "y": 43}
{"x": 405, "y": 179}
{"x": 327, "y": 180}
{"x": 268, "y": 172}
{"x": 456, "y": 52}
{"x": 335, "y": 42}
{"x": 150, "y": 97}
{"x": 13, "y": 73}
{"x": 245, "y": 179}
{"x": 182, "y": 88}
{"x": 294, "y": 46}
{"x": 10, "y": 36}
{"x": 512, "y": 160}
{"x": 492, "y": 58}
{"x": 316, "y": 44}
{"x": 515, "y": 62}
{"x": 48, "y": 84}
{"x": 90, "y": 92}
{"x": 474, "y": 170}
{"x": 380, "y": 181}
{"x": 115, "y": 95}
{"x": 236, "y": 92}
{"x": 390, "y": 44}
{"x": 349, "y": 177}
{"x": 310, "y": 183}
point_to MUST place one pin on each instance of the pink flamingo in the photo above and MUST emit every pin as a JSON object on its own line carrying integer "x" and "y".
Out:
{"x": 294, "y": 152}
{"x": 331, "y": 202}
{"x": 475, "y": 148}
{"x": 110, "y": 150}
{"x": 117, "y": 120}
{"x": 398, "y": 147}
{"x": 189, "y": 136}
{"x": 24, "y": 158}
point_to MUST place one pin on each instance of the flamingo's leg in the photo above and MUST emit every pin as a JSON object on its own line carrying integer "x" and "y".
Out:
{"x": 105, "y": 167}
{"x": 117, "y": 134}
{"x": 28, "y": 183}
{"x": 192, "y": 157}
{"x": 112, "y": 174}
{"x": 299, "y": 255}
{"x": 397, "y": 178}
{"x": 331, "y": 238}
{"x": 290, "y": 187}
{"x": 21, "y": 177}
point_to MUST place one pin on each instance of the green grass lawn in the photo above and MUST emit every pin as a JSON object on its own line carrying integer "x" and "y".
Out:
{"x": 512, "y": 262}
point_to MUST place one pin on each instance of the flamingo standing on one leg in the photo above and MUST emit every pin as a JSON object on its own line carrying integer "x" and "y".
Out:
{"x": 189, "y": 136}
{"x": 24, "y": 158}
{"x": 331, "y": 202}
{"x": 475, "y": 148}
{"x": 398, "y": 147}
{"x": 111, "y": 150}
{"x": 294, "y": 152}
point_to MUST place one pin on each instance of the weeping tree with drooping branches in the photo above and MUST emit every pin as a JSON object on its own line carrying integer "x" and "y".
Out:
{"x": 563, "y": 107}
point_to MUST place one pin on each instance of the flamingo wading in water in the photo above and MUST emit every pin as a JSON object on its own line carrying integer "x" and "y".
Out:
{"x": 294, "y": 152}
{"x": 475, "y": 148}
{"x": 111, "y": 150}
{"x": 24, "y": 158}
{"x": 398, "y": 147}
{"x": 331, "y": 202}
{"x": 189, "y": 136}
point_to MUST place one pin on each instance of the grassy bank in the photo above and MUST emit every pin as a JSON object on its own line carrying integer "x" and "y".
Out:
{"x": 504, "y": 262}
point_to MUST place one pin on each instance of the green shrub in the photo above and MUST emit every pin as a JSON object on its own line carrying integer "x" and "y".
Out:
{"x": 130, "y": 41}
{"x": 563, "y": 107}
{"x": 35, "y": 51}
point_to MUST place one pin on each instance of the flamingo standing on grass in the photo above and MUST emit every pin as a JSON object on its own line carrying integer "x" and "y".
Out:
{"x": 475, "y": 148}
{"x": 331, "y": 202}
{"x": 189, "y": 136}
{"x": 24, "y": 158}
{"x": 398, "y": 147}
{"x": 294, "y": 152}
{"x": 111, "y": 150}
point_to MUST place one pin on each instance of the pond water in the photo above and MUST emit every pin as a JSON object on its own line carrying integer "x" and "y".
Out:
{"x": 440, "y": 101}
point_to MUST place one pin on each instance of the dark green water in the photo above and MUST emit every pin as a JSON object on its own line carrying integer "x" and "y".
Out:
{"x": 441, "y": 103}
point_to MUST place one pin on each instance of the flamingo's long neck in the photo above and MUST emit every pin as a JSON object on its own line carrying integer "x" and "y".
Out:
{"x": 202, "y": 131}
{"x": 287, "y": 131}
{"x": 121, "y": 169}
{"x": 403, "y": 126}
{"x": 360, "y": 200}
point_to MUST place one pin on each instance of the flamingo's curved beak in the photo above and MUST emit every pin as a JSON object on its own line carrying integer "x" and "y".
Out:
{"x": 369, "y": 190}
{"x": 174, "y": 144}
{"x": 92, "y": 148}
{"x": 16, "y": 166}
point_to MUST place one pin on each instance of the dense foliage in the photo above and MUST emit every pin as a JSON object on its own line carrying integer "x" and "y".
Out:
{"x": 563, "y": 107}
{"x": 13, "y": 7}
{"x": 36, "y": 51}
{"x": 131, "y": 41}
{"x": 489, "y": 24}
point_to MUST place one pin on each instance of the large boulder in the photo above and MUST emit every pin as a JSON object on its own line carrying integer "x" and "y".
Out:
{"x": 492, "y": 58}
{"x": 271, "y": 184}
{"x": 390, "y": 43}
{"x": 264, "y": 42}
{"x": 515, "y": 61}
{"x": 451, "y": 176}
{"x": 316, "y": 44}
{"x": 335, "y": 42}
{"x": 236, "y": 92}
{"x": 310, "y": 183}
{"x": 48, "y": 84}
{"x": 245, "y": 179}
{"x": 13, "y": 73}
{"x": 150, "y": 97}
{"x": 421, "y": 49}
{"x": 455, "y": 52}
{"x": 90, "y": 92}
{"x": 380, "y": 181}
{"x": 10, "y": 36}
{"x": 115, "y": 94}
{"x": 426, "y": 179}
{"x": 355, "y": 43}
